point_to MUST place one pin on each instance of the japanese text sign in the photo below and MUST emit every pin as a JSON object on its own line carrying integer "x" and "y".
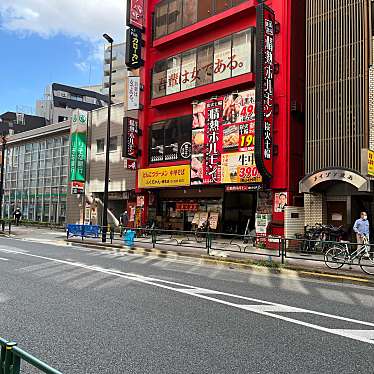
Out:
{"x": 173, "y": 176}
{"x": 133, "y": 58}
{"x": 213, "y": 141}
{"x": 78, "y": 145}
{"x": 130, "y": 137}
{"x": 135, "y": 13}
{"x": 133, "y": 91}
{"x": 265, "y": 89}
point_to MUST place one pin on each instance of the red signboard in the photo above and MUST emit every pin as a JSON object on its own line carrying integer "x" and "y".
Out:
{"x": 130, "y": 137}
{"x": 130, "y": 164}
{"x": 135, "y": 13}
{"x": 265, "y": 89}
{"x": 213, "y": 141}
{"x": 241, "y": 188}
{"x": 187, "y": 207}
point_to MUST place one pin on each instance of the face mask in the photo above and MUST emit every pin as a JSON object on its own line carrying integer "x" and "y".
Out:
{"x": 364, "y": 217}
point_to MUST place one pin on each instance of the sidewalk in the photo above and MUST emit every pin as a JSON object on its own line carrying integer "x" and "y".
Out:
{"x": 228, "y": 252}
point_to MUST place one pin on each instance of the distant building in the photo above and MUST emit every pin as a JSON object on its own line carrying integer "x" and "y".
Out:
{"x": 14, "y": 123}
{"x": 36, "y": 173}
{"x": 60, "y": 100}
{"x": 94, "y": 87}
{"x": 119, "y": 72}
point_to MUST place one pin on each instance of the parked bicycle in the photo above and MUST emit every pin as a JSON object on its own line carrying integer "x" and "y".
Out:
{"x": 317, "y": 239}
{"x": 339, "y": 255}
{"x": 200, "y": 232}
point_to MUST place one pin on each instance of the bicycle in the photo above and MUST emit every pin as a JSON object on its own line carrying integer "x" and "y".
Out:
{"x": 339, "y": 255}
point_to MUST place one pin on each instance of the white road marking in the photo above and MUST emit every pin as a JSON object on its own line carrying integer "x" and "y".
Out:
{"x": 273, "y": 308}
{"x": 4, "y": 259}
{"x": 367, "y": 334}
{"x": 257, "y": 309}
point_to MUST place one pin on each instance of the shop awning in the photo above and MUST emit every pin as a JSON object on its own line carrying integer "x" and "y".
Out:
{"x": 314, "y": 180}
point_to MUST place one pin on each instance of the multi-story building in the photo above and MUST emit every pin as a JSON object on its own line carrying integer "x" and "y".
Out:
{"x": 200, "y": 55}
{"x": 339, "y": 112}
{"x": 36, "y": 173}
{"x": 14, "y": 123}
{"x": 119, "y": 72}
{"x": 60, "y": 101}
{"x": 121, "y": 179}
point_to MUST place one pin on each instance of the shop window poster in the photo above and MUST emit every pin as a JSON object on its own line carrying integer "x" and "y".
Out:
{"x": 280, "y": 201}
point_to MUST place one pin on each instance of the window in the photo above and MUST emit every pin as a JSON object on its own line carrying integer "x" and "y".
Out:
{"x": 222, "y": 5}
{"x": 159, "y": 79}
{"x": 76, "y": 97}
{"x": 189, "y": 12}
{"x": 174, "y": 15}
{"x": 173, "y": 75}
{"x": 241, "y": 53}
{"x": 113, "y": 143}
{"x": 204, "y": 9}
{"x": 161, "y": 14}
{"x": 224, "y": 58}
{"x": 157, "y": 143}
{"x": 204, "y": 65}
{"x": 100, "y": 145}
{"x": 62, "y": 118}
{"x": 188, "y": 71}
{"x": 170, "y": 140}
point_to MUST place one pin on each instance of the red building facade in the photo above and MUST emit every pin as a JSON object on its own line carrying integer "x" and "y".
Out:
{"x": 199, "y": 77}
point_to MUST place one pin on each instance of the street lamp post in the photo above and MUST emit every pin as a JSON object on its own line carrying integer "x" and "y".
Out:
{"x": 106, "y": 181}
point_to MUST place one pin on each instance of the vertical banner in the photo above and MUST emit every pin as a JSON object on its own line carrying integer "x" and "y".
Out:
{"x": 133, "y": 57}
{"x": 78, "y": 148}
{"x": 130, "y": 137}
{"x": 264, "y": 89}
{"x": 133, "y": 91}
{"x": 213, "y": 141}
{"x": 135, "y": 13}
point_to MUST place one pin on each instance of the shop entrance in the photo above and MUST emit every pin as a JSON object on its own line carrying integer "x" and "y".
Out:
{"x": 337, "y": 213}
{"x": 239, "y": 212}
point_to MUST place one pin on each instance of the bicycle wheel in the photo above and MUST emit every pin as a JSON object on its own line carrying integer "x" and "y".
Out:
{"x": 335, "y": 257}
{"x": 366, "y": 263}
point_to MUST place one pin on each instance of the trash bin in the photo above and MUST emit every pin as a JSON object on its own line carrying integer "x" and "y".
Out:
{"x": 128, "y": 238}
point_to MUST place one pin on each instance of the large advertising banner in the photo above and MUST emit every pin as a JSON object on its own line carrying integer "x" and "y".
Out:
{"x": 223, "y": 134}
{"x": 239, "y": 167}
{"x": 213, "y": 142}
{"x": 78, "y": 147}
{"x": 172, "y": 176}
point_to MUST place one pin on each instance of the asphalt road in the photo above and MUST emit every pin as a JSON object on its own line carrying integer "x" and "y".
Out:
{"x": 88, "y": 311}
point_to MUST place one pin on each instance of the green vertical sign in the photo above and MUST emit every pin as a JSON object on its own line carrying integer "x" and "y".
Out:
{"x": 78, "y": 146}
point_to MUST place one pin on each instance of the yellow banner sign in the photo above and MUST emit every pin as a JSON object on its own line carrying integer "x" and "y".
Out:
{"x": 239, "y": 167}
{"x": 172, "y": 176}
{"x": 370, "y": 162}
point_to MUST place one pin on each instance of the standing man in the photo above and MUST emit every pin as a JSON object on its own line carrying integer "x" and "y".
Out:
{"x": 361, "y": 228}
{"x": 124, "y": 219}
{"x": 17, "y": 216}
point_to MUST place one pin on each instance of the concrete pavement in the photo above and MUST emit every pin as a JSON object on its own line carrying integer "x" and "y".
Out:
{"x": 84, "y": 310}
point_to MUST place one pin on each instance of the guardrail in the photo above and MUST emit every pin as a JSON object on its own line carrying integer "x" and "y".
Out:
{"x": 269, "y": 247}
{"x": 12, "y": 356}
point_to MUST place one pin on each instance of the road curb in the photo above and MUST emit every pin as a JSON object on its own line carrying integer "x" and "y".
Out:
{"x": 234, "y": 263}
